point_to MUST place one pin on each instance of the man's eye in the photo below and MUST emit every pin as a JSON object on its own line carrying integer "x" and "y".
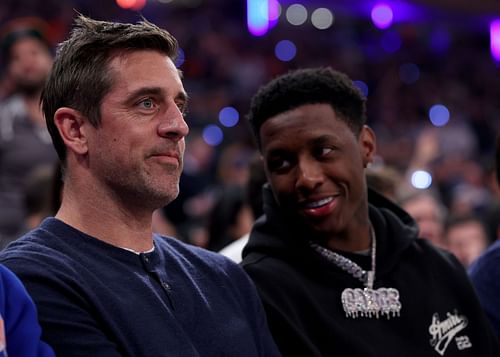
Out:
{"x": 147, "y": 103}
{"x": 182, "y": 108}
{"x": 322, "y": 151}
{"x": 326, "y": 151}
{"x": 278, "y": 165}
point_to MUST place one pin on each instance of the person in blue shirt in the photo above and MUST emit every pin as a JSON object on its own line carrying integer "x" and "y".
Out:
{"x": 19, "y": 328}
{"x": 104, "y": 283}
{"x": 485, "y": 271}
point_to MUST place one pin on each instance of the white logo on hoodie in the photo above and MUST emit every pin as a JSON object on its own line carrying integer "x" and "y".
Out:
{"x": 443, "y": 332}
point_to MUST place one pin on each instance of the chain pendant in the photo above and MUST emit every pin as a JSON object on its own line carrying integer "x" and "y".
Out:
{"x": 371, "y": 303}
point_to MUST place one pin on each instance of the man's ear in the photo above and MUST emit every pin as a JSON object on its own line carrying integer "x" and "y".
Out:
{"x": 368, "y": 144}
{"x": 71, "y": 125}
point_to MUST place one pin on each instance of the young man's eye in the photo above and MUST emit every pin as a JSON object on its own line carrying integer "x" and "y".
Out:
{"x": 322, "y": 151}
{"x": 326, "y": 151}
{"x": 278, "y": 165}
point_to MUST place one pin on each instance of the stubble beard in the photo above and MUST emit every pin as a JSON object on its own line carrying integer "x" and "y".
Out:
{"x": 139, "y": 189}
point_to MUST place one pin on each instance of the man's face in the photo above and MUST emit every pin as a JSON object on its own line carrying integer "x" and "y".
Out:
{"x": 315, "y": 166}
{"x": 425, "y": 211}
{"x": 29, "y": 65}
{"x": 137, "y": 150}
{"x": 467, "y": 241}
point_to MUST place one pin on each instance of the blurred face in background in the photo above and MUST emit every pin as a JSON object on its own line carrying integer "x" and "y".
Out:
{"x": 426, "y": 212}
{"x": 467, "y": 241}
{"x": 29, "y": 64}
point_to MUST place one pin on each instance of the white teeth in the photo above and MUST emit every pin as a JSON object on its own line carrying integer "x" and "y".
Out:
{"x": 319, "y": 203}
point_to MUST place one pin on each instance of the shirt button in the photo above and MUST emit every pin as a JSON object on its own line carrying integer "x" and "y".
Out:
{"x": 165, "y": 285}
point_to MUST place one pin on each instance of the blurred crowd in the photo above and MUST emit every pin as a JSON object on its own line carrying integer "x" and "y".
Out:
{"x": 224, "y": 65}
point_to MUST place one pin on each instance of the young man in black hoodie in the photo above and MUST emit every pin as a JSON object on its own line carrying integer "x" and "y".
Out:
{"x": 339, "y": 268}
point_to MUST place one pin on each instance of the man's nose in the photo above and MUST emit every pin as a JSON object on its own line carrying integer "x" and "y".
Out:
{"x": 310, "y": 175}
{"x": 173, "y": 125}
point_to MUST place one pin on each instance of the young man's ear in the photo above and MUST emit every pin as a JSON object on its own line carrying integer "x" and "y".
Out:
{"x": 368, "y": 144}
{"x": 71, "y": 125}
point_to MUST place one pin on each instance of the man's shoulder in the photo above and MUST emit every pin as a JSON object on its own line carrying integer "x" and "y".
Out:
{"x": 37, "y": 248}
{"x": 489, "y": 262}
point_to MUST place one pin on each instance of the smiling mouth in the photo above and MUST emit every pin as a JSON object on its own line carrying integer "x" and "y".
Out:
{"x": 319, "y": 208}
{"x": 319, "y": 203}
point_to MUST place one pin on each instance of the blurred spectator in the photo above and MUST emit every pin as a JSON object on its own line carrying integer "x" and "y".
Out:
{"x": 25, "y": 143}
{"x": 383, "y": 179}
{"x": 253, "y": 193}
{"x": 230, "y": 217}
{"x": 429, "y": 214}
{"x": 466, "y": 237}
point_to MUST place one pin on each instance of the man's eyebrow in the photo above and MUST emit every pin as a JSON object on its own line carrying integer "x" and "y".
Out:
{"x": 144, "y": 91}
{"x": 154, "y": 91}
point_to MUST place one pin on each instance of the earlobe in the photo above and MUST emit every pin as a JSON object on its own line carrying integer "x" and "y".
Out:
{"x": 70, "y": 123}
{"x": 368, "y": 144}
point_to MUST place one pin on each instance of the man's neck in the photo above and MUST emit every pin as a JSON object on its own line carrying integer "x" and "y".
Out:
{"x": 103, "y": 218}
{"x": 356, "y": 238}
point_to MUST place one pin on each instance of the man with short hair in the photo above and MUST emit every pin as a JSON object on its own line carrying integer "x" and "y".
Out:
{"x": 340, "y": 268}
{"x": 104, "y": 284}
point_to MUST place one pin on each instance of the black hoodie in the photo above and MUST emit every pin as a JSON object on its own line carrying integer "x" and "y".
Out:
{"x": 301, "y": 292}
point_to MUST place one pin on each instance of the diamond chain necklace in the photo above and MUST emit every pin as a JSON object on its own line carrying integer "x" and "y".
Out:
{"x": 367, "y": 302}
{"x": 366, "y": 277}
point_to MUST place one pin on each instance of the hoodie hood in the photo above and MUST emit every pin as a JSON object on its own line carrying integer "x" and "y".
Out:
{"x": 276, "y": 235}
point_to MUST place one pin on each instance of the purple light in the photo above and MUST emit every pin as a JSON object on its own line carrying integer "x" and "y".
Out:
{"x": 285, "y": 50}
{"x": 213, "y": 135}
{"x": 181, "y": 57}
{"x": 274, "y": 13}
{"x": 362, "y": 86}
{"x": 258, "y": 17}
{"x": 439, "y": 115}
{"x": 229, "y": 117}
{"x": 495, "y": 39}
{"x": 382, "y": 16}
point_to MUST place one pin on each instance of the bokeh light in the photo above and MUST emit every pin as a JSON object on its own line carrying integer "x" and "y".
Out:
{"x": 322, "y": 18}
{"x": 229, "y": 117}
{"x": 274, "y": 10}
{"x": 296, "y": 14}
{"x": 125, "y": 4}
{"x": 382, "y": 16}
{"x": 213, "y": 135}
{"x": 258, "y": 17}
{"x": 138, "y": 5}
{"x": 285, "y": 50}
{"x": 363, "y": 87}
{"x": 495, "y": 39}
{"x": 181, "y": 57}
{"x": 421, "y": 179}
{"x": 439, "y": 115}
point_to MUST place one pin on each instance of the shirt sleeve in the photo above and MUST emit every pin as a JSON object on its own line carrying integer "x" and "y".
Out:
{"x": 20, "y": 323}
